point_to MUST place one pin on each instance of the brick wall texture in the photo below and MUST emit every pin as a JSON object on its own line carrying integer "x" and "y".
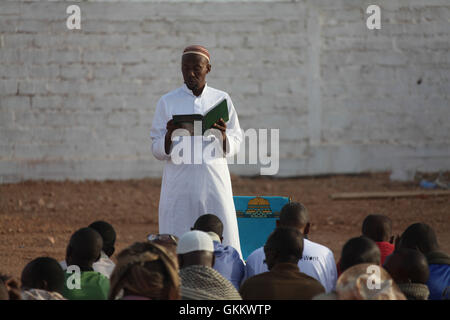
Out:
{"x": 78, "y": 104}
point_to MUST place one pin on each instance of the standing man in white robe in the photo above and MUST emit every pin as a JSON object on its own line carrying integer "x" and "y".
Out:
{"x": 192, "y": 189}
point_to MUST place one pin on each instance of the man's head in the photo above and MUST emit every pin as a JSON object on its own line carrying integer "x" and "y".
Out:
{"x": 284, "y": 245}
{"x": 9, "y": 288}
{"x": 108, "y": 236}
{"x": 209, "y": 223}
{"x": 359, "y": 250}
{"x": 195, "y": 66}
{"x": 354, "y": 284}
{"x": 168, "y": 241}
{"x": 195, "y": 248}
{"x": 407, "y": 266}
{"x": 377, "y": 227}
{"x": 146, "y": 269}
{"x": 419, "y": 236}
{"x": 84, "y": 248}
{"x": 43, "y": 273}
{"x": 295, "y": 215}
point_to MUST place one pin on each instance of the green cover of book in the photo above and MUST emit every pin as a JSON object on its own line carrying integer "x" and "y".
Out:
{"x": 219, "y": 110}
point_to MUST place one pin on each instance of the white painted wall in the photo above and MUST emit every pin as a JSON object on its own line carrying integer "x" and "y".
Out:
{"x": 79, "y": 104}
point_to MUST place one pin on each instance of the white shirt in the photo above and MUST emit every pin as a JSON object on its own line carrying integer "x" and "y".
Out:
{"x": 191, "y": 190}
{"x": 104, "y": 265}
{"x": 317, "y": 262}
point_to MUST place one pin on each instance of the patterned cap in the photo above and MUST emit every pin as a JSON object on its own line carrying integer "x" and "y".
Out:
{"x": 196, "y": 49}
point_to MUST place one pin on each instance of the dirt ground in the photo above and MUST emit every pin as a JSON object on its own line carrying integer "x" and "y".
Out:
{"x": 37, "y": 217}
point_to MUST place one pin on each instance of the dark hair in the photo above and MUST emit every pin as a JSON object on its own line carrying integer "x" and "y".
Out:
{"x": 208, "y": 223}
{"x": 43, "y": 273}
{"x": 411, "y": 264}
{"x": 85, "y": 247}
{"x": 108, "y": 235}
{"x": 287, "y": 243}
{"x": 419, "y": 236}
{"x": 359, "y": 250}
{"x": 294, "y": 213}
{"x": 377, "y": 227}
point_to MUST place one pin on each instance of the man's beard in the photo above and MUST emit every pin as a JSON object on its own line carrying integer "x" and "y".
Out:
{"x": 192, "y": 85}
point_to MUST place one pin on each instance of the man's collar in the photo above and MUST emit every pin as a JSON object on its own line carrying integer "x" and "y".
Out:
{"x": 83, "y": 268}
{"x": 286, "y": 266}
{"x": 189, "y": 91}
{"x": 103, "y": 255}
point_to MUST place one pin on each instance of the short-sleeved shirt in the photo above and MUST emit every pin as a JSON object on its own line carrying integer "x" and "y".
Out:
{"x": 93, "y": 286}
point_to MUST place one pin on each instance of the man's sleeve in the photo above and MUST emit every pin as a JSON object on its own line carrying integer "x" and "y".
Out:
{"x": 250, "y": 267}
{"x": 158, "y": 131}
{"x": 331, "y": 272}
{"x": 238, "y": 271}
{"x": 234, "y": 132}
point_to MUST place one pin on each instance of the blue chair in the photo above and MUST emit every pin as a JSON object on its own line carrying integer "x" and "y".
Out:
{"x": 256, "y": 218}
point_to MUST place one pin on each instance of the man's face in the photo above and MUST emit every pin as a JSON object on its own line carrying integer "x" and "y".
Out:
{"x": 194, "y": 68}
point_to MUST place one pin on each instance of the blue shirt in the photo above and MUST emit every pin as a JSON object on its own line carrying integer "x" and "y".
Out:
{"x": 228, "y": 263}
{"x": 439, "y": 281}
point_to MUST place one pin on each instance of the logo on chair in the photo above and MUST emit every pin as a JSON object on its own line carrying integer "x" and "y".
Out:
{"x": 257, "y": 208}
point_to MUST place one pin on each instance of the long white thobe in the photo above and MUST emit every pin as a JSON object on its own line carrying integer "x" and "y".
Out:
{"x": 191, "y": 190}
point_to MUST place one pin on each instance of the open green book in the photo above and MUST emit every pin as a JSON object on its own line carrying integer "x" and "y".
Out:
{"x": 219, "y": 110}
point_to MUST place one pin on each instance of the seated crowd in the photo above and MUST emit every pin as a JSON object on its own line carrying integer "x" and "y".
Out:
{"x": 197, "y": 266}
